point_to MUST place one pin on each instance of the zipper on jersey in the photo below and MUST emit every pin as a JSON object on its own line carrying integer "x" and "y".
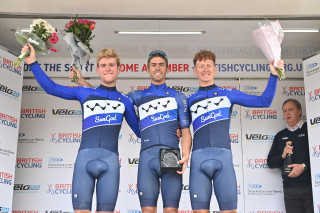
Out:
{"x": 101, "y": 129}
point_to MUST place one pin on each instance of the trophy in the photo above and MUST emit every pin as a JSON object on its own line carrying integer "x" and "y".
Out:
{"x": 169, "y": 159}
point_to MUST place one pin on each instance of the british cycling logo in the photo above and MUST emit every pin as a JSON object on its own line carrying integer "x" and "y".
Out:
{"x": 65, "y": 137}
{"x": 8, "y": 120}
{"x": 314, "y": 95}
{"x": 257, "y": 163}
{"x": 234, "y": 138}
{"x": 260, "y": 114}
{"x": 29, "y": 163}
{"x": 59, "y": 189}
{"x": 33, "y": 113}
{"x": 132, "y": 88}
{"x": 8, "y": 65}
{"x": 132, "y": 189}
{"x": 5, "y": 178}
{"x": 134, "y": 139}
{"x": 312, "y": 69}
{"x": 293, "y": 91}
{"x": 316, "y": 151}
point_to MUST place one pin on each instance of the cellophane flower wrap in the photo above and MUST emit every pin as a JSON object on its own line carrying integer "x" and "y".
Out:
{"x": 268, "y": 37}
{"x": 41, "y": 35}
{"x": 78, "y": 37}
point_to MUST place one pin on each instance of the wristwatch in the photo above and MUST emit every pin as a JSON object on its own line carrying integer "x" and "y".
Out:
{"x": 304, "y": 167}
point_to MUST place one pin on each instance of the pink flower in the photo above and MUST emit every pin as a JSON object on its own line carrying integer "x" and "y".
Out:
{"x": 54, "y": 38}
{"x": 92, "y": 26}
{"x": 53, "y": 49}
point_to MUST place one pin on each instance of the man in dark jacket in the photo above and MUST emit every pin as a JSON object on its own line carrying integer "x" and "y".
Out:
{"x": 293, "y": 141}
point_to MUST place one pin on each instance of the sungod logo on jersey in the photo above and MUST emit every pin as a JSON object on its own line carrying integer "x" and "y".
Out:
{"x": 65, "y": 138}
{"x": 257, "y": 164}
{"x": 260, "y": 114}
{"x": 132, "y": 189}
{"x": 315, "y": 122}
{"x": 66, "y": 113}
{"x": 32, "y": 89}
{"x": 293, "y": 91}
{"x": 33, "y": 113}
{"x": 29, "y": 163}
{"x": 134, "y": 139}
{"x": 8, "y": 120}
{"x": 234, "y": 138}
{"x": 5, "y": 178}
{"x": 133, "y": 162}
{"x": 59, "y": 189}
{"x": 316, "y": 151}
{"x": 259, "y": 138}
{"x": 4, "y": 209}
{"x": 314, "y": 95}
{"x": 6, "y": 91}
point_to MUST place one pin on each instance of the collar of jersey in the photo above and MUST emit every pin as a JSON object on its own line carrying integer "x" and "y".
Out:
{"x": 107, "y": 88}
{"x": 208, "y": 87}
{"x": 153, "y": 86}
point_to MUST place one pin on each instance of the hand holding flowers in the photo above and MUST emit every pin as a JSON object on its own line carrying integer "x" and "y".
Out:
{"x": 41, "y": 35}
{"x": 78, "y": 37}
{"x": 268, "y": 37}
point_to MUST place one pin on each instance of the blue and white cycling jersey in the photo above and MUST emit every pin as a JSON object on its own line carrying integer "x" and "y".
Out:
{"x": 161, "y": 111}
{"x": 103, "y": 110}
{"x": 211, "y": 107}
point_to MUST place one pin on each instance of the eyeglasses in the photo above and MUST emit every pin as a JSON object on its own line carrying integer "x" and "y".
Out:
{"x": 159, "y": 52}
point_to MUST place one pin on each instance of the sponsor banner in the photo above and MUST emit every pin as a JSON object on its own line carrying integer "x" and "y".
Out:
{"x": 178, "y": 68}
{"x": 10, "y": 96}
{"x": 311, "y": 67}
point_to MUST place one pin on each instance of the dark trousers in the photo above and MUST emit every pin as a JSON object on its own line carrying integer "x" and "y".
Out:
{"x": 298, "y": 200}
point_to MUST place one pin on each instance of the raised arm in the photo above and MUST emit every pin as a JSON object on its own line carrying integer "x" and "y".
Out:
{"x": 45, "y": 82}
{"x": 266, "y": 98}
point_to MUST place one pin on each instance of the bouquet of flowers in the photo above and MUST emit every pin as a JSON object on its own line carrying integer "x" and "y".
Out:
{"x": 78, "y": 37}
{"x": 41, "y": 35}
{"x": 268, "y": 37}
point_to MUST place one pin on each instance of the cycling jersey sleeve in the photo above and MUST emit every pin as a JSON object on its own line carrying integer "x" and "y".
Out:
{"x": 265, "y": 100}
{"x": 131, "y": 117}
{"x": 49, "y": 86}
{"x": 183, "y": 110}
